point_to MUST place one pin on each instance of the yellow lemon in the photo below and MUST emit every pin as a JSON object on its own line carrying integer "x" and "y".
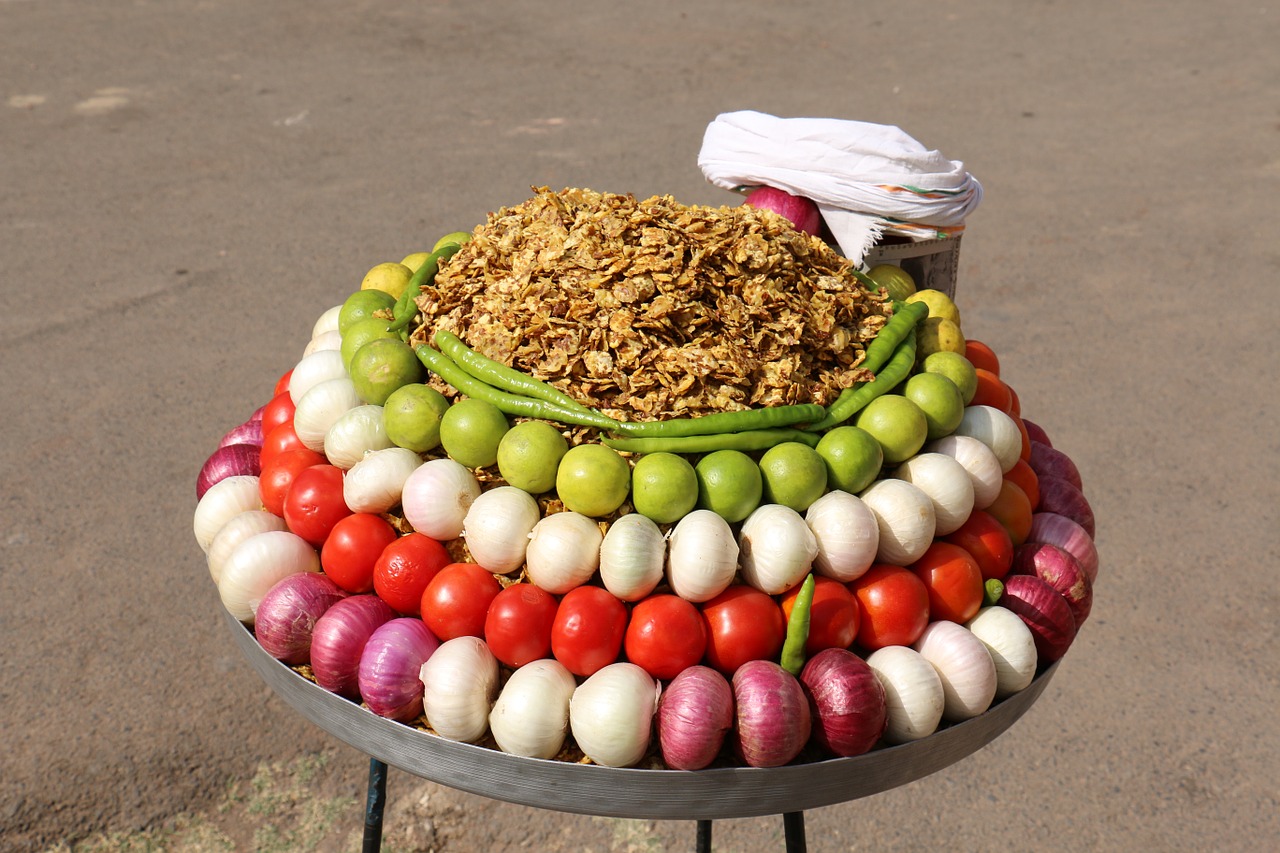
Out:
{"x": 390, "y": 278}
{"x": 938, "y": 334}
{"x": 415, "y": 260}
{"x": 940, "y": 305}
{"x": 896, "y": 281}
{"x": 458, "y": 237}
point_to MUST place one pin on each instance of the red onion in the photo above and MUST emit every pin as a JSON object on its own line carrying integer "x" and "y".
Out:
{"x": 1048, "y": 461}
{"x": 1060, "y": 496}
{"x": 339, "y": 639}
{"x": 1069, "y": 536}
{"x": 694, "y": 715}
{"x": 773, "y": 718}
{"x": 390, "y": 668}
{"x": 1061, "y": 571}
{"x": 847, "y": 701}
{"x": 288, "y": 613}
{"x": 233, "y": 460}
{"x": 1035, "y": 432}
{"x": 249, "y": 432}
{"x": 257, "y": 413}
{"x": 801, "y": 212}
{"x": 1044, "y": 611}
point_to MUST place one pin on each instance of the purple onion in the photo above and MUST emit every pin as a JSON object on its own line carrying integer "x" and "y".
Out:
{"x": 288, "y": 614}
{"x": 390, "y": 668}
{"x": 339, "y": 638}
{"x": 694, "y": 715}
{"x": 1069, "y": 536}
{"x": 1047, "y": 461}
{"x": 1044, "y": 611}
{"x": 1061, "y": 496}
{"x": 1060, "y": 570}
{"x": 231, "y": 461}
{"x": 249, "y": 432}
{"x": 847, "y": 702}
{"x": 773, "y": 720}
{"x": 802, "y": 212}
{"x": 1036, "y": 432}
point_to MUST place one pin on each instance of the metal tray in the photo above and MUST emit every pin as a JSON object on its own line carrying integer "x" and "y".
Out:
{"x": 589, "y": 789}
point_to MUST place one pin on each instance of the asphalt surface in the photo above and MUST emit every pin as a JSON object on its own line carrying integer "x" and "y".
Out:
{"x": 186, "y": 186}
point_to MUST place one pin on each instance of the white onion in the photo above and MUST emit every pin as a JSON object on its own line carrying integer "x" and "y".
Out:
{"x": 436, "y": 497}
{"x": 905, "y": 517}
{"x": 632, "y": 557}
{"x": 611, "y": 714}
{"x": 912, "y": 690}
{"x": 964, "y": 665}
{"x": 235, "y": 531}
{"x": 1012, "y": 648}
{"x": 996, "y": 430}
{"x": 321, "y": 407}
{"x": 497, "y": 528}
{"x": 313, "y": 369}
{"x": 563, "y": 551}
{"x": 223, "y": 501}
{"x": 460, "y": 681}
{"x": 531, "y": 716}
{"x": 776, "y": 548}
{"x": 847, "y": 534}
{"x": 257, "y": 564}
{"x": 327, "y": 340}
{"x": 978, "y": 460}
{"x": 326, "y": 322}
{"x": 947, "y": 484}
{"x": 702, "y": 556}
{"x": 376, "y": 483}
{"x": 356, "y": 432}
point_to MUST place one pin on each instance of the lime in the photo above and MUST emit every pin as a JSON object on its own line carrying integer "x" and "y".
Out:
{"x": 593, "y": 479}
{"x": 389, "y": 277}
{"x": 897, "y": 423}
{"x": 940, "y": 305}
{"x": 938, "y": 334}
{"x": 415, "y": 260}
{"x": 955, "y": 367}
{"x": 894, "y": 279}
{"x": 794, "y": 475}
{"x": 664, "y": 487}
{"x": 459, "y": 237}
{"x": 853, "y": 458}
{"x": 729, "y": 484}
{"x": 529, "y": 454}
{"x": 411, "y": 416}
{"x": 939, "y": 399}
{"x": 381, "y": 366}
{"x": 362, "y": 304}
{"x": 471, "y": 430}
{"x": 360, "y": 333}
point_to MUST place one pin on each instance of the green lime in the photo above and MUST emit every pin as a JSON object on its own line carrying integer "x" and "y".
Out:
{"x": 381, "y": 366}
{"x": 529, "y": 454}
{"x": 411, "y": 416}
{"x": 471, "y": 431}
{"x": 897, "y": 423}
{"x": 459, "y": 237}
{"x": 794, "y": 475}
{"x": 390, "y": 277}
{"x": 362, "y": 304}
{"x": 360, "y": 333}
{"x": 664, "y": 487}
{"x": 894, "y": 279}
{"x": 593, "y": 479}
{"x": 729, "y": 484}
{"x": 939, "y": 399}
{"x": 955, "y": 367}
{"x": 853, "y": 458}
{"x": 415, "y": 260}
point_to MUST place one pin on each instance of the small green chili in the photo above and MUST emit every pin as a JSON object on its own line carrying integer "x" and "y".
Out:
{"x": 792, "y": 659}
{"x": 746, "y": 441}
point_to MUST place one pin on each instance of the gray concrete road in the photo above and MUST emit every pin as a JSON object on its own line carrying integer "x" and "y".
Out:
{"x": 185, "y": 186}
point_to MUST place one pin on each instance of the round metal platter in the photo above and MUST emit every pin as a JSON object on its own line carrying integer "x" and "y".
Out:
{"x": 717, "y": 793}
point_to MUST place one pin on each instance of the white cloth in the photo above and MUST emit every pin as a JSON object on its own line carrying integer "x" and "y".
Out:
{"x": 865, "y": 178}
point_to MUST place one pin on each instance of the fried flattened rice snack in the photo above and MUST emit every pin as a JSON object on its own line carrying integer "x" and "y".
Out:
{"x": 653, "y": 309}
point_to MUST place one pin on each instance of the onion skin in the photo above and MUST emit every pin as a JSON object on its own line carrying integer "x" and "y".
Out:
{"x": 339, "y": 638}
{"x": 1047, "y": 461}
{"x": 289, "y": 612}
{"x": 229, "y": 460}
{"x": 695, "y": 713}
{"x": 966, "y": 668}
{"x": 390, "y": 667}
{"x": 913, "y": 693}
{"x": 1061, "y": 571}
{"x": 846, "y": 700}
{"x": 1069, "y": 536}
{"x": 1044, "y": 611}
{"x": 1012, "y": 648}
{"x": 249, "y": 432}
{"x": 773, "y": 720}
{"x": 1060, "y": 496}
{"x": 801, "y": 212}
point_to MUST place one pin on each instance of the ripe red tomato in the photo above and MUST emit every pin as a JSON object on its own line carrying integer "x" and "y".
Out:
{"x": 743, "y": 624}
{"x": 953, "y": 580}
{"x": 352, "y": 550}
{"x": 282, "y": 384}
{"x": 455, "y": 602}
{"x": 519, "y": 622}
{"x": 277, "y": 411}
{"x": 588, "y": 629}
{"x": 987, "y": 541}
{"x": 833, "y": 616}
{"x": 280, "y": 439}
{"x": 893, "y": 607}
{"x": 278, "y": 474}
{"x": 314, "y": 503}
{"x": 666, "y": 635}
{"x": 404, "y": 569}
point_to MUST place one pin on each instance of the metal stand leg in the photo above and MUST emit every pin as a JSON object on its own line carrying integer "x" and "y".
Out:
{"x": 704, "y": 836}
{"x": 374, "y": 806}
{"x": 793, "y": 827}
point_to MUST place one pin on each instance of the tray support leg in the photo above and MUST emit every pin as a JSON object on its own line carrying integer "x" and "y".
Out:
{"x": 793, "y": 828}
{"x": 704, "y": 837}
{"x": 374, "y": 805}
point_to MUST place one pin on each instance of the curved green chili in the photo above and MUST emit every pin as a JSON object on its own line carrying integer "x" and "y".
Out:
{"x": 501, "y": 376}
{"x": 792, "y": 659}
{"x": 855, "y": 400}
{"x": 746, "y": 441}
{"x": 406, "y": 307}
{"x": 717, "y": 423}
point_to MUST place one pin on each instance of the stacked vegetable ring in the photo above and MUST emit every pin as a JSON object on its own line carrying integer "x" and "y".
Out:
{"x": 469, "y": 550}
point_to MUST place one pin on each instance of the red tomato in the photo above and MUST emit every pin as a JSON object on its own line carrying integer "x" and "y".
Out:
{"x": 282, "y": 384}
{"x": 666, "y": 635}
{"x": 314, "y": 503}
{"x": 278, "y": 475}
{"x": 278, "y": 411}
{"x": 1024, "y": 477}
{"x": 352, "y": 550}
{"x": 280, "y": 439}
{"x": 588, "y": 629}
{"x": 953, "y": 580}
{"x": 743, "y": 624}
{"x": 456, "y": 600}
{"x": 404, "y": 569}
{"x": 893, "y": 607}
{"x": 518, "y": 624}
{"x": 833, "y": 616}
{"x": 987, "y": 542}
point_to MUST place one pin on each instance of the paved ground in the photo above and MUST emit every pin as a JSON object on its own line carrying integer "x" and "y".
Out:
{"x": 187, "y": 185}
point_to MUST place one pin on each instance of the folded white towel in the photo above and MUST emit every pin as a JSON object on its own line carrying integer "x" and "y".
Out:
{"x": 865, "y": 178}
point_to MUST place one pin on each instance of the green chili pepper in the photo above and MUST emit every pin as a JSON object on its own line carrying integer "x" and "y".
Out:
{"x": 406, "y": 307}
{"x": 746, "y": 441}
{"x": 856, "y": 399}
{"x": 501, "y": 376}
{"x": 792, "y": 659}
{"x": 991, "y": 592}
{"x": 726, "y": 422}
